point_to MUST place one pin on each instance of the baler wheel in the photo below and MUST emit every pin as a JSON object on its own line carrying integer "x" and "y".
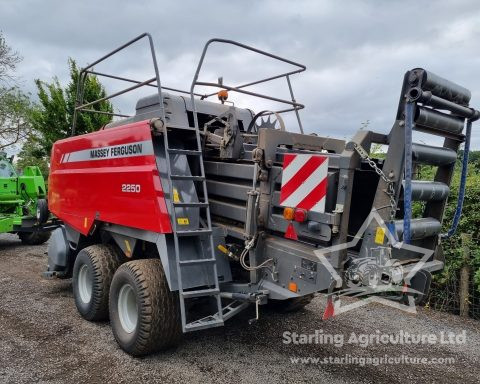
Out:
{"x": 92, "y": 275}
{"x": 33, "y": 238}
{"x": 144, "y": 313}
{"x": 290, "y": 305}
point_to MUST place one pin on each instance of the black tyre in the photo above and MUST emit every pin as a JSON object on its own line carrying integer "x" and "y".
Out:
{"x": 34, "y": 238}
{"x": 144, "y": 313}
{"x": 42, "y": 211}
{"x": 290, "y": 305}
{"x": 92, "y": 275}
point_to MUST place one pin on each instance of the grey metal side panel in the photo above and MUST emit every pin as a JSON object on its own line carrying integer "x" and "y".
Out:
{"x": 234, "y": 170}
{"x": 194, "y": 276}
{"x": 126, "y": 243}
{"x": 176, "y": 108}
{"x": 58, "y": 250}
{"x": 295, "y": 262}
{"x": 73, "y": 236}
{"x": 228, "y": 210}
{"x": 227, "y": 189}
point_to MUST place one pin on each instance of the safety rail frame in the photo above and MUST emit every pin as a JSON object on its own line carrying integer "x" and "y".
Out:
{"x": 240, "y": 89}
{"x": 156, "y": 83}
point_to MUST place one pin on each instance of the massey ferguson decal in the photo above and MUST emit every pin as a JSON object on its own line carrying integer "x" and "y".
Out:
{"x": 140, "y": 148}
{"x": 304, "y": 182}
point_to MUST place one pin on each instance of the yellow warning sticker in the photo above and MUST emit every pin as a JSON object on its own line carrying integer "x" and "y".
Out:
{"x": 183, "y": 221}
{"x": 379, "y": 235}
{"x": 128, "y": 250}
{"x": 176, "y": 196}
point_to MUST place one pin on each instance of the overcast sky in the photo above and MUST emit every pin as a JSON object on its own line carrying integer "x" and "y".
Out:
{"x": 356, "y": 52}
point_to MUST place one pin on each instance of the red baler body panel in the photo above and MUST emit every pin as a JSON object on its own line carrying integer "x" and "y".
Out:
{"x": 110, "y": 176}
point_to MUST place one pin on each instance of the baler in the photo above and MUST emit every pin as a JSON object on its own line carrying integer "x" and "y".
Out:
{"x": 186, "y": 213}
{"x": 23, "y": 204}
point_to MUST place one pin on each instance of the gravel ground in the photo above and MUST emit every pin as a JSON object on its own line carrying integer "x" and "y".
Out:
{"x": 43, "y": 339}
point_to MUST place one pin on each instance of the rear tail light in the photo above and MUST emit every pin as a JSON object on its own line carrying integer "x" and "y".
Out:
{"x": 292, "y": 286}
{"x": 288, "y": 213}
{"x": 300, "y": 215}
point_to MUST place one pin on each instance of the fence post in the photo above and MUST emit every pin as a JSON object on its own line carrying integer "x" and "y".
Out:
{"x": 465, "y": 275}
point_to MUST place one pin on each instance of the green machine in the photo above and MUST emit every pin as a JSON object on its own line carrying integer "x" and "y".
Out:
{"x": 23, "y": 204}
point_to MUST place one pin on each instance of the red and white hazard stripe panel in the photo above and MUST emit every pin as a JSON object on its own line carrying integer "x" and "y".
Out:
{"x": 304, "y": 182}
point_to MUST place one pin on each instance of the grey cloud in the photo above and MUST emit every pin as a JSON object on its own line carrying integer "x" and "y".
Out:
{"x": 356, "y": 51}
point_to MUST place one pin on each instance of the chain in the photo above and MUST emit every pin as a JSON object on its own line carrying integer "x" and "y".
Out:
{"x": 390, "y": 191}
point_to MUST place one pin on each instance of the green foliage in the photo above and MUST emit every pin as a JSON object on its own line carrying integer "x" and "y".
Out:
{"x": 477, "y": 277}
{"x": 15, "y": 105}
{"x": 469, "y": 223}
{"x": 474, "y": 159}
{"x": 15, "y": 110}
{"x": 53, "y": 118}
{"x": 377, "y": 151}
{"x": 33, "y": 153}
{"x": 8, "y": 59}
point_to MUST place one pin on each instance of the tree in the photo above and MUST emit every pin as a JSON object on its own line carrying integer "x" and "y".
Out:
{"x": 8, "y": 59}
{"x": 15, "y": 105}
{"x": 32, "y": 153}
{"x": 444, "y": 293}
{"x": 53, "y": 118}
{"x": 474, "y": 159}
{"x": 15, "y": 108}
{"x": 469, "y": 223}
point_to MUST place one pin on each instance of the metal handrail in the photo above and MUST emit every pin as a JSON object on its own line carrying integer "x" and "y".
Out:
{"x": 195, "y": 82}
{"x": 138, "y": 82}
{"x": 155, "y": 82}
{"x": 236, "y": 89}
{"x": 133, "y": 87}
{"x": 84, "y": 73}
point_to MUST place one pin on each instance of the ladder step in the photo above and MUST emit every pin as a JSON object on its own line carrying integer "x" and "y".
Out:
{"x": 193, "y": 232}
{"x": 174, "y": 151}
{"x": 203, "y": 324}
{"x": 183, "y": 205}
{"x": 197, "y": 261}
{"x": 187, "y": 177}
{"x": 201, "y": 293}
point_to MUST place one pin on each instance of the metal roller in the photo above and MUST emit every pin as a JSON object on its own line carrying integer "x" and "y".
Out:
{"x": 439, "y": 86}
{"x": 419, "y": 228}
{"x": 430, "y": 155}
{"x": 437, "y": 120}
{"x": 428, "y": 99}
{"x": 429, "y": 190}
